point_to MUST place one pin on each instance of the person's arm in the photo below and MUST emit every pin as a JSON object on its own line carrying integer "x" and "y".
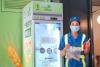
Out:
{"x": 86, "y": 46}
{"x": 62, "y": 46}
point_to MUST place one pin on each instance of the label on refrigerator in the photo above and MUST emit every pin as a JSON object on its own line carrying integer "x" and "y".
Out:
{"x": 27, "y": 52}
{"x": 47, "y": 39}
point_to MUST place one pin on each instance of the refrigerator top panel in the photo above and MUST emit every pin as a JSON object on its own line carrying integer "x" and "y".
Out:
{"x": 47, "y": 11}
{"x": 38, "y": 10}
{"x": 50, "y": 8}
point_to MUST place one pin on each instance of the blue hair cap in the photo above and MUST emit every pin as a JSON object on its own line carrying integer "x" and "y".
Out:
{"x": 74, "y": 18}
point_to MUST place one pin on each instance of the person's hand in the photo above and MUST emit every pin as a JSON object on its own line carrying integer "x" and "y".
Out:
{"x": 88, "y": 43}
{"x": 87, "y": 46}
{"x": 67, "y": 46}
{"x": 63, "y": 52}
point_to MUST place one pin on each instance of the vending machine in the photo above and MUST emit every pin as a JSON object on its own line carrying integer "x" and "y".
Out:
{"x": 42, "y": 30}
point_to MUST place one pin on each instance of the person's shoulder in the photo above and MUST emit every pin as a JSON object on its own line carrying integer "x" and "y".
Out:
{"x": 84, "y": 35}
{"x": 67, "y": 34}
{"x": 80, "y": 33}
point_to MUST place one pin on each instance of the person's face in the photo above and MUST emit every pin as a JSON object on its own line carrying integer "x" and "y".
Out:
{"x": 74, "y": 23}
{"x": 74, "y": 26}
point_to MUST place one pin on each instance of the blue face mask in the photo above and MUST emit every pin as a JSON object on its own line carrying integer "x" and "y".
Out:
{"x": 75, "y": 28}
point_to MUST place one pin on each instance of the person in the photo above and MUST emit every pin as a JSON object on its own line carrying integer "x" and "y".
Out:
{"x": 75, "y": 38}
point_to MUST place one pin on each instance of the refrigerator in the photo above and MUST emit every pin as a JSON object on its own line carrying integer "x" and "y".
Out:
{"x": 42, "y": 30}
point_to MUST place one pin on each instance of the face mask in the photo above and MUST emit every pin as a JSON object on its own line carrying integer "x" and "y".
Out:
{"x": 75, "y": 28}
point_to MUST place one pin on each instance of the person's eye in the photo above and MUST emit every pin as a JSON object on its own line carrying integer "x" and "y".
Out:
{"x": 72, "y": 24}
{"x": 77, "y": 24}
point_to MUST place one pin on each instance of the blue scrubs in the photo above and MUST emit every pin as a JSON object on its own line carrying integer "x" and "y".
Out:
{"x": 73, "y": 42}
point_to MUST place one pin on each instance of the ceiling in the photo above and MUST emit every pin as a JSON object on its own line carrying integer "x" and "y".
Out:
{"x": 95, "y": 6}
{"x": 95, "y": 9}
{"x": 96, "y": 2}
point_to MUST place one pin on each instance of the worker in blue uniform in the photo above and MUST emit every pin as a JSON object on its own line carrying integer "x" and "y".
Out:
{"x": 77, "y": 39}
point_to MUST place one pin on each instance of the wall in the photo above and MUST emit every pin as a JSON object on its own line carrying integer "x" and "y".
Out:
{"x": 10, "y": 29}
{"x": 96, "y": 30}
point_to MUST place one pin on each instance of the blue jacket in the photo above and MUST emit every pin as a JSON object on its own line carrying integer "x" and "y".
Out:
{"x": 73, "y": 42}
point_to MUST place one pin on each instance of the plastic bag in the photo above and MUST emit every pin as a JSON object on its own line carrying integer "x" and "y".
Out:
{"x": 73, "y": 53}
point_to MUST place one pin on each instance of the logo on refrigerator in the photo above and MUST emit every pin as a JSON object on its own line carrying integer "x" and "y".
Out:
{"x": 42, "y": 50}
{"x": 28, "y": 51}
{"x": 45, "y": 7}
{"x": 49, "y": 50}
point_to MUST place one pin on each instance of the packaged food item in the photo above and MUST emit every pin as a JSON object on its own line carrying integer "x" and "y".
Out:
{"x": 73, "y": 53}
